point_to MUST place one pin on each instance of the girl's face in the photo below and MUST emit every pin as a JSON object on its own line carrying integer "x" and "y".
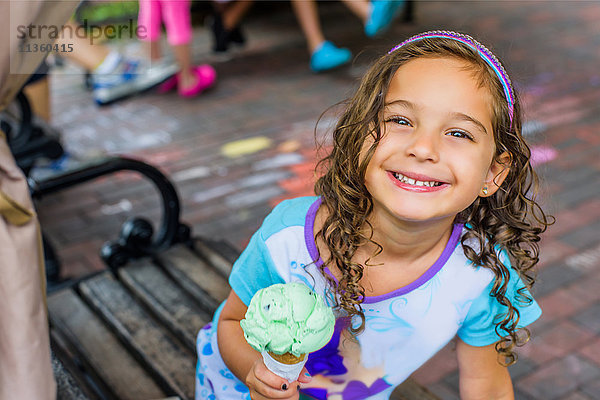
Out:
{"x": 437, "y": 148}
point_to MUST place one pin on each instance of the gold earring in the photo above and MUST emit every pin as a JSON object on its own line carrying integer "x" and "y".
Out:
{"x": 485, "y": 190}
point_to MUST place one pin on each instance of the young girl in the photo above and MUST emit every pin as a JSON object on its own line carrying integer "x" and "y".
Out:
{"x": 191, "y": 80}
{"x": 424, "y": 229}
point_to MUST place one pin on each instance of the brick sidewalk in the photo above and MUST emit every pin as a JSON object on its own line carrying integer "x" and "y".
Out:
{"x": 268, "y": 96}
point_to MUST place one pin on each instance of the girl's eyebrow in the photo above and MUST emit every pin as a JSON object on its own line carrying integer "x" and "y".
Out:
{"x": 401, "y": 102}
{"x": 465, "y": 117}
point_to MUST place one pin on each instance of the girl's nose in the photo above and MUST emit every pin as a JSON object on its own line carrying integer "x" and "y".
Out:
{"x": 424, "y": 146}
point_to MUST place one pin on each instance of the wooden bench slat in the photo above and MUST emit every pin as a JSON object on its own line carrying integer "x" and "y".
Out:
{"x": 196, "y": 276}
{"x": 67, "y": 386}
{"x": 172, "y": 306}
{"x": 100, "y": 348}
{"x": 161, "y": 353}
{"x": 220, "y": 254}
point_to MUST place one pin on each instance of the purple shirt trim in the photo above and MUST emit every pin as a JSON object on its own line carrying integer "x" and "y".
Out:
{"x": 430, "y": 273}
{"x": 309, "y": 237}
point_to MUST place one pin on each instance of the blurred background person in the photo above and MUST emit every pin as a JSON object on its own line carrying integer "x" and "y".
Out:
{"x": 376, "y": 16}
{"x": 191, "y": 80}
{"x": 225, "y": 23}
{"x": 113, "y": 76}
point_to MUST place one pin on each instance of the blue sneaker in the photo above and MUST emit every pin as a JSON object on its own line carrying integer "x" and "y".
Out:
{"x": 328, "y": 56}
{"x": 383, "y": 13}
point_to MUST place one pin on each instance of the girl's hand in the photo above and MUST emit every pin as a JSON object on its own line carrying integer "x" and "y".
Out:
{"x": 264, "y": 384}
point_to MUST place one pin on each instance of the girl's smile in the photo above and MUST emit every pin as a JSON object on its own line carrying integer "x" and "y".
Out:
{"x": 416, "y": 182}
{"x": 437, "y": 146}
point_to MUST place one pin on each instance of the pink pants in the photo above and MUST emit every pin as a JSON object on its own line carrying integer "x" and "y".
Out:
{"x": 174, "y": 13}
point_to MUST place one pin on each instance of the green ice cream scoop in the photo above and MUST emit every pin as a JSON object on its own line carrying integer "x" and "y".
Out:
{"x": 288, "y": 318}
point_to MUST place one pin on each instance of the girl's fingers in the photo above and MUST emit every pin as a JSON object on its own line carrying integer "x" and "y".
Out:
{"x": 273, "y": 386}
{"x": 268, "y": 392}
{"x": 304, "y": 376}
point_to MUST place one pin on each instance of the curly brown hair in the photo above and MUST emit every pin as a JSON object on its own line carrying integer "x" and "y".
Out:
{"x": 510, "y": 219}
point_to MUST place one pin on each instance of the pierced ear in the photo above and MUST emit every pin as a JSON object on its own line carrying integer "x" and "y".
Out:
{"x": 496, "y": 175}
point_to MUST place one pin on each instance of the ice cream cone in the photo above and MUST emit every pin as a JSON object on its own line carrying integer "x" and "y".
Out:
{"x": 288, "y": 318}
{"x": 287, "y": 358}
{"x": 286, "y": 368}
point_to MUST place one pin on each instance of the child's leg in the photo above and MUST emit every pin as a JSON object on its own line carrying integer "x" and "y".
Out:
{"x": 87, "y": 55}
{"x": 361, "y": 8}
{"x": 183, "y": 56}
{"x": 234, "y": 13}
{"x": 149, "y": 18}
{"x": 226, "y": 23}
{"x": 324, "y": 55}
{"x": 177, "y": 19}
{"x": 308, "y": 18}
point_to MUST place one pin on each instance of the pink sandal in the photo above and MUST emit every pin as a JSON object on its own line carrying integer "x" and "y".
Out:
{"x": 168, "y": 85}
{"x": 206, "y": 78}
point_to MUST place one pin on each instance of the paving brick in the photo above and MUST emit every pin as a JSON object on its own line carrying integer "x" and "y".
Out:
{"x": 584, "y": 236}
{"x": 589, "y": 318}
{"x": 576, "y": 396}
{"x": 585, "y": 261}
{"x": 520, "y": 395}
{"x": 552, "y": 251}
{"x": 567, "y": 220}
{"x": 554, "y": 276}
{"x": 522, "y": 368}
{"x": 592, "y": 389}
{"x": 586, "y": 288}
{"x": 575, "y": 195}
{"x": 252, "y": 197}
{"x": 556, "y": 341}
{"x": 443, "y": 391}
{"x": 560, "y": 304}
{"x": 592, "y": 351}
{"x": 559, "y": 378}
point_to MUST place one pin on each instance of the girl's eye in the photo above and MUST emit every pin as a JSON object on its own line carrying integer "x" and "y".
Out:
{"x": 460, "y": 134}
{"x": 398, "y": 120}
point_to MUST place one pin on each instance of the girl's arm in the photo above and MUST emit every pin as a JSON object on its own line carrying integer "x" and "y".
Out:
{"x": 481, "y": 375}
{"x": 245, "y": 362}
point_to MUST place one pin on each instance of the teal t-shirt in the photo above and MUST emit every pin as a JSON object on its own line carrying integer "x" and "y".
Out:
{"x": 404, "y": 328}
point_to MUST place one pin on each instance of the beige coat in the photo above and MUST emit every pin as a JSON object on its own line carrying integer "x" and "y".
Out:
{"x": 25, "y": 371}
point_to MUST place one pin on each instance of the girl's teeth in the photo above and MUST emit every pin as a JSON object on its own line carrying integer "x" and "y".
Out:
{"x": 410, "y": 181}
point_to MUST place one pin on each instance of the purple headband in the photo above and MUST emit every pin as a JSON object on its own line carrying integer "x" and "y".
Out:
{"x": 486, "y": 54}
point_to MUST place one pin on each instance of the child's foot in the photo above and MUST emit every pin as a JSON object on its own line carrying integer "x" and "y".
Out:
{"x": 223, "y": 36}
{"x": 129, "y": 77}
{"x": 237, "y": 36}
{"x": 221, "y": 43}
{"x": 327, "y": 56}
{"x": 168, "y": 85}
{"x": 205, "y": 77}
{"x": 383, "y": 13}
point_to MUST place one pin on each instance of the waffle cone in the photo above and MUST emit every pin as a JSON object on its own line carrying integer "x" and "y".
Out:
{"x": 287, "y": 358}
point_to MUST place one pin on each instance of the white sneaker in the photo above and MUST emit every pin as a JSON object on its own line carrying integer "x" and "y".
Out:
{"x": 130, "y": 77}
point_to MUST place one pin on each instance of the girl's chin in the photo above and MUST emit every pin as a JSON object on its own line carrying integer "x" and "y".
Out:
{"x": 417, "y": 214}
